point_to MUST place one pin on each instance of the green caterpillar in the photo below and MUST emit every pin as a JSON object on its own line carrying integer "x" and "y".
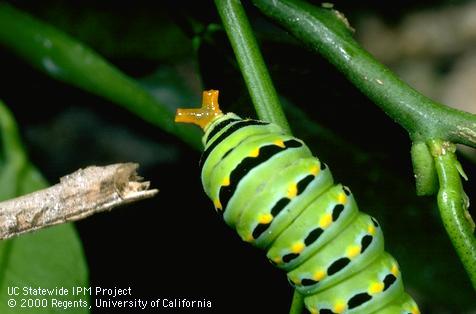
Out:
{"x": 279, "y": 197}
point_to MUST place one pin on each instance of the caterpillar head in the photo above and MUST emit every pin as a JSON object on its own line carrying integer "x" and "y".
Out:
{"x": 203, "y": 116}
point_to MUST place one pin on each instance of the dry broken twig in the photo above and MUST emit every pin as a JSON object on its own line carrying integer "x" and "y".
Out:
{"x": 78, "y": 195}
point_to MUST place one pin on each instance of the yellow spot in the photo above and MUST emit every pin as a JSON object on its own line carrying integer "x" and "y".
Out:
{"x": 254, "y": 152}
{"x": 279, "y": 143}
{"x": 341, "y": 198}
{"x": 315, "y": 170}
{"x": 319, "y": 275}
{"x": 376, "y": 287}
{"x": 415, "y": 310}
{"x": 217, "y": 204}
{"x": 277, "y": 260}
{"x": 297, "y": 282}
{"x": 325, "y": 221}
{"x": 353, "y": 251}
{"x": 371, "y": 229}
{"x": 297, "y": 247}
{"x": 394, "y": 270}
{"x": 292, "y": 190}
{"x": 339, "y": 307}
{"x": 265, "y": 218}
{"x": 226, "y": 181}
{"x": 249, "y": 238}
{"x": 313, "y": 311}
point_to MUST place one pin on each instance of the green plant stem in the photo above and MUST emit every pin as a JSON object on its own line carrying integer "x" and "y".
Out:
{"x": 257, "y": 79}
{"x": 426, "y": 178}
{"x": 326, "y": 31}
{"x": 68, "y": 60}
{"x": 250, "y": 60}
{"x": 453, "y": 204}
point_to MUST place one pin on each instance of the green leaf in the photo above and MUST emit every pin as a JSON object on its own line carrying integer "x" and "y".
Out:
{"x": 46, "y": 259}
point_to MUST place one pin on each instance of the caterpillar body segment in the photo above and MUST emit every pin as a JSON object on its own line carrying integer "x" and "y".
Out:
{"x": 326, "y": 268}
{"x": 279, "y": 197}
{"x": 283, "y": 189}
{"x": 314, "y": 235}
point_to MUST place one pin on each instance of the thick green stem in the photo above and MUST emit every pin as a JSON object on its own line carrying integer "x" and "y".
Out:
{"x": 66, "y": 59}
{"x": 426, "y": 179}
{"x": 250, "y": 60}
{"x": 453, "y": 204}
{"x": 327, "y": 32}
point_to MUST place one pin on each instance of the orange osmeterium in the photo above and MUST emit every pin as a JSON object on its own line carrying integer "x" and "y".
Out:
{"x": 204, "y": 115}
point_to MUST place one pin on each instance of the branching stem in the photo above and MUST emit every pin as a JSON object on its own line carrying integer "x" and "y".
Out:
{"x": 327, "y": 32}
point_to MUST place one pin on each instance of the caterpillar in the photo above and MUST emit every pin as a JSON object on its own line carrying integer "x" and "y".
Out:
{"x": 270, "y": 188}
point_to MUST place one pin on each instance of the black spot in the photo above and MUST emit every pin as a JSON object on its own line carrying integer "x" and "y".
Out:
{"x": 346, "y": 190}
{"x": 238, "y": 125}
{"x": 220, "y": 126}
{"x": 374, "y": 221}
{"x": 326, "y": 311}
{"x": 308, "y": 282}
{"x": 338, "y": 265}
{"x": 365, "y": 242}
{"x": 227, "y": 153}
{"x": 248, "y": 163}
{"x": 259, "y": 230}
{"x": 323, "y": 166}
{"x": 279, "y": 206}
{"x": 292, "y": 144}
{"x": 358, "y": 300}
{"x": 243, "y": 168}
{"x": 388, "y": 281}
{"x": 313, "y": 236}
{"x": 289, "y": 257}
{"x": 337, "y": 211}
{"x": 303, "y": 183}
